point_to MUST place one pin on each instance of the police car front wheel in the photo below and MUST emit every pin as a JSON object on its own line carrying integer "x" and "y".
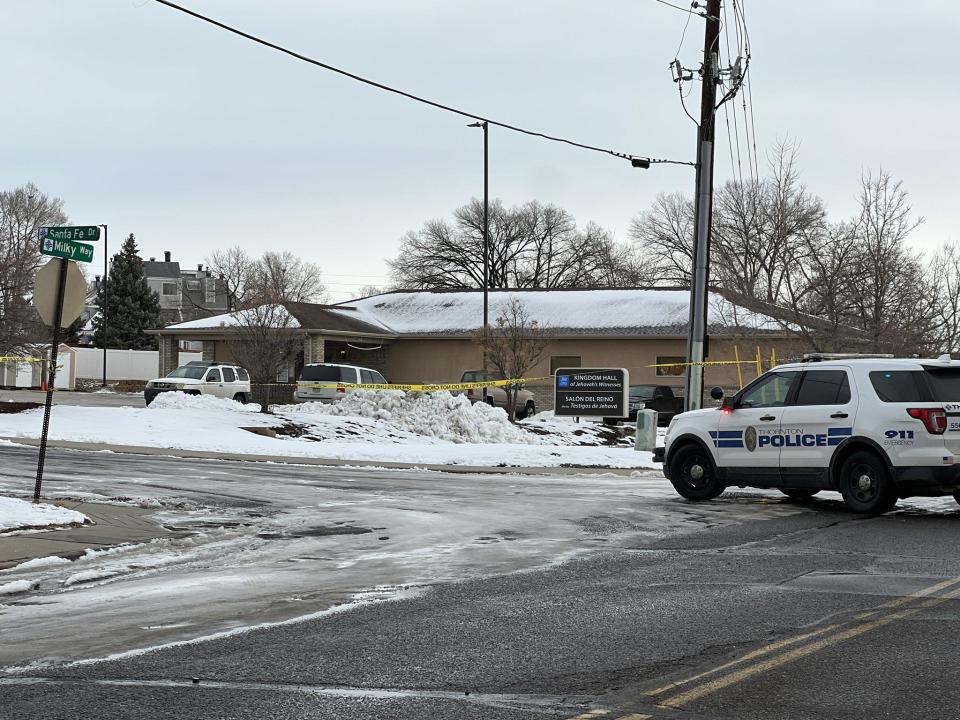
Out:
{"x": 692, "y": 474}
{"x": 866, "y": 485}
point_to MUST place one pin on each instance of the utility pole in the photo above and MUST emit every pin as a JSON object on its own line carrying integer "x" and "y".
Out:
{"x": 699, "y": 281}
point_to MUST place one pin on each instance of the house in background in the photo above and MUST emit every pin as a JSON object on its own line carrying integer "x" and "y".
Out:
{"x": 428, "y": 336}
{"x": 185, "y": 295}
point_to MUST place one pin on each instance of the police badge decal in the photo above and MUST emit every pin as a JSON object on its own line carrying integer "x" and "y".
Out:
{"x": 750, "y": 438}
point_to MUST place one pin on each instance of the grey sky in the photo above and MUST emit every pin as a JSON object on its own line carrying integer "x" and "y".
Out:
{"x": 193, "y": 139}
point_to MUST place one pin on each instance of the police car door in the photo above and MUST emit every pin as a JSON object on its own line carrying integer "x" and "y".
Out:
{"x": 745, "y": 441}
{"x": 819, "y": 419}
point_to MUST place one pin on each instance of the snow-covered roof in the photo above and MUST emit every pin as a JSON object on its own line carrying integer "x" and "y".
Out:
{"x": 234, "y": 319}
{"x": 617, "y": 312}
{"x": 620, "y": 312}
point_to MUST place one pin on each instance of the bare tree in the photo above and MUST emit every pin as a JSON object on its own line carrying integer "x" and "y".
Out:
{"x": 274, "y": 277}
{"x": 232, "y": 266}
{"x": 531, "y": 246}
{"x": 283, "y": 277}
{"x": 945, "y": 288}
{"x": 371, "y": 290}
{"x": 512, "y": 346}
{"x": 664, "y": 236}
{"x": 265, "y": 338}
{"x": 891, "y": 301}
{"x": 23, "y": 211}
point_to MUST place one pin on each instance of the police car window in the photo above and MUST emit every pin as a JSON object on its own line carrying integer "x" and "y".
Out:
{"x": 824, "y": 387}
{"x": 378, "y": 378}
{"x": 367, "y": 377}
{"x": 228, "y": 375}
{"x": 771, "y": 391}
{"x": 244, "y": 376}
{"x": 900, "y": 385}
{"x": 213, "y": 376}
{"x": 349, "y": 375}
{"x": 945, "y": 384}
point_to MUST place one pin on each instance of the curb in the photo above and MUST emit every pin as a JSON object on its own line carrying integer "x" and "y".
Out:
{"x": 327, "y": 462}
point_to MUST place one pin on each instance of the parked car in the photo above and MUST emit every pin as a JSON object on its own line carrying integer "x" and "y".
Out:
{"x": 525, "y": 406}
{"x": 203, "y": 378}
{"x": 329, "y": 373}
{"x": 651, "y": 397}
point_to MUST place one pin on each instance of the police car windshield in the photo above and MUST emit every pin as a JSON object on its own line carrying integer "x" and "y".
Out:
{"x": 642, "y": 392}
{"x": 193, "y": 372}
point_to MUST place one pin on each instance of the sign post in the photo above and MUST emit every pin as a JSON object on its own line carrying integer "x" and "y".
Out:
{"x": 596, "y": 392}
{"x": 58, "y": 243}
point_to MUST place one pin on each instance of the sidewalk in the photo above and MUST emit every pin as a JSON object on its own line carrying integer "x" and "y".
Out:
{"x": 113, "y": 525}
{"x": 330, "y": 462}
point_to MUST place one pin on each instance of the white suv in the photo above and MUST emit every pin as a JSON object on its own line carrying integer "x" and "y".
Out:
{"x": 876, "y": 429}
{"x": 203, "y": 378}
{"x": 341, "y": 376}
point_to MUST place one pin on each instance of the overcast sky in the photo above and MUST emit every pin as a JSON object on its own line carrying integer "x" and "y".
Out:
{"x": 155, "y": 123}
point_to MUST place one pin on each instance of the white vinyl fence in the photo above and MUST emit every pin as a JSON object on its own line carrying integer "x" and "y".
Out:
{"x": 124, "y": 364}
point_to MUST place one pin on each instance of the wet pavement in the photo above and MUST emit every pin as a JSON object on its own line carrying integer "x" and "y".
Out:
{"x": 524, "y": 598}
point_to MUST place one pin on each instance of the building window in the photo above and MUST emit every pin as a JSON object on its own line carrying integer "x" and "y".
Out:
{"x": 211, "y": 291}
{"x": 675, "y": 368}
{"x": 169, "y": 288}
{"x": 563, "y": 361}
{"x": 193, "y": 284}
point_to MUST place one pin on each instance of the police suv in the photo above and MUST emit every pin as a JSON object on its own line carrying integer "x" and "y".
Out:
{"x": 873, "y": 427}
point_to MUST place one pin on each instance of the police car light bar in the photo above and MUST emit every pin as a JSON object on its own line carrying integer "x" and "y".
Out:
{"x": 817, "y": 357}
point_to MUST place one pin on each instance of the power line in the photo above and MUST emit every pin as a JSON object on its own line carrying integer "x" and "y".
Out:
{"x": 411, "y": 96}
{"x": 747, "y": 52}
{"x": 682, "y": 9}
{"x": 726, "y": 112}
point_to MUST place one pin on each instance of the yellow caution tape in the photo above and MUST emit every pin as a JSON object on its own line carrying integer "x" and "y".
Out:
{"x": 410, "y": 387}
{"x": 421, "y": 387}
{"x": 706, "y": 362}
{"x": 17, "y": 358}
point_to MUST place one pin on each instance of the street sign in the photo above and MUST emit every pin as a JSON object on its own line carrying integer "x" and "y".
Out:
{"x": 596, "y": 392}
{"x": 68, "y": 249}
{"x": 88, "y": 233}
{"x": 45, "y": 289}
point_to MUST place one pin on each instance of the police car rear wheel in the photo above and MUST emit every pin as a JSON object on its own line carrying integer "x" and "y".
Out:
{"x": 866, "y": 485}
{"x": 799, "y": 493}
{"x": 692, "y": 474}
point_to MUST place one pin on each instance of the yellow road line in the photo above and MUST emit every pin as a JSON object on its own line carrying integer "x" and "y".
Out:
{"x": 733, "y": 678}
{"x": 910, "y": 598}
{"x": 759, "y": 652}
{"x": 773, "y": 647}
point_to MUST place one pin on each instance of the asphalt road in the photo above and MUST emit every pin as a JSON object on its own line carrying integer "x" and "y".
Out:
{"x": 68, "y": 397}
{"x": 765, "y": 608}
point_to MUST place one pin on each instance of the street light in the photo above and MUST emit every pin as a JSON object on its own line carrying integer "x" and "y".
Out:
{"x": 486, "y": 238}
{"x": 486, "y": 222}
{"x": 103, "y": 308}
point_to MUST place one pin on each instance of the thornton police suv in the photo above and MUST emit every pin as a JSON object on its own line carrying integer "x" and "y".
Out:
{"x": 875, "y": 428}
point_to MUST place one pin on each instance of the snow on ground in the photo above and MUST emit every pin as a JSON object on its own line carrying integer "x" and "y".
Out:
{"x": 378, "y": 426}
{"x": 18, "y": 514}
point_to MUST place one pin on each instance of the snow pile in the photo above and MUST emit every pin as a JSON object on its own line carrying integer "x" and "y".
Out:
{"x": 438, "y": 415}
{"x": 177, "y": 401}
{"x": 17, "y": 586}
{"x": 19, "y": 515}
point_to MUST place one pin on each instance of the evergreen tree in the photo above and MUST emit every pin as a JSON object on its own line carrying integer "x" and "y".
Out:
{"x": 132, "y": 307}
{"x": 71, "y": 335}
